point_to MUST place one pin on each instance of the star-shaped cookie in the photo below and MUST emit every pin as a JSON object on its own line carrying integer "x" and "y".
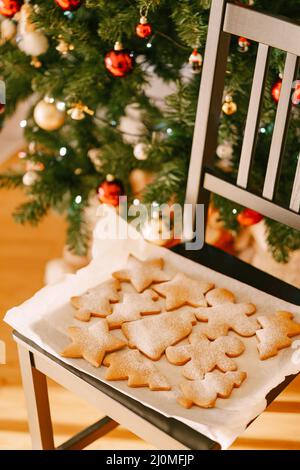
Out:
{"x": 222, "y": 318}
{"x": 204, "y": 393}
{"x": 142, "y": 274}
{"x": 91, "y": 343}
{"x": 182, "y": 290}
{"x": 133, "y": 307}
{"x": 202, "y": 356}
{"x": 97, "y": 301}
{"x": 132, "y": 365}
{"x": 153, "y": 335}
{"x": 276, "y": 333}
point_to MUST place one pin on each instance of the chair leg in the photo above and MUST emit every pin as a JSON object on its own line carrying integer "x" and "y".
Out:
{"x": 36, "y": 394}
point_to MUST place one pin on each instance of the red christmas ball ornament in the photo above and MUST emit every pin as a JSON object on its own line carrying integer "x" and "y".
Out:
{"x": 110, "y": 191}
{"x": 248, "y": 217}
{"x": 143, "y": 29}
{"x": 9, "y": 8}
{"x": 119, "y": 61}
{"x": 276, "y": 89}
{"x": 68, "y": 5}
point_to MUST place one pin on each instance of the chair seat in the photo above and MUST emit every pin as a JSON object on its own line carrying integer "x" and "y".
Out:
{"x": 219, "y": 261}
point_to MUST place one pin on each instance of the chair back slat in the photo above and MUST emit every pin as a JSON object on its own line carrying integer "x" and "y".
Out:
{"x": 280, "y": 127}
{"x": 210, "y": 99}
{"x": 253, "y": 116}
{"x": 295, "y": 198}
{"x": 256, "y": 26}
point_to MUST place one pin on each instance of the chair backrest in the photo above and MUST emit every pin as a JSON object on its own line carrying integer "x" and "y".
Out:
{"x": 270, "y": 32}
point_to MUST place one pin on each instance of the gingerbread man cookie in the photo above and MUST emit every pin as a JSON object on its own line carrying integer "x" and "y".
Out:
{"x": 204, "y": 393}
{"x": 182, "y": 290}
{"x": 133, "y": 307}
{"x": 91, "y": 343}
{"x": 276, "y": 333}
{"x": 132, "y": 365}
{"x": 154, "y": 334}
{"x": 204, "y": 355}
{"x": 142, "y": 274}
{"x": 97, "y": 301}
{"x": 222, "y": 318}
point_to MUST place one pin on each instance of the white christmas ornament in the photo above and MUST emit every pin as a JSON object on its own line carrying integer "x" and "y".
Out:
{"x": 30, "y": 41}
{"x": 224, "y": 151}
{"x": 8, "y": 29}
{"x": 141, "y": 150}
{"x": 29, "y": 178}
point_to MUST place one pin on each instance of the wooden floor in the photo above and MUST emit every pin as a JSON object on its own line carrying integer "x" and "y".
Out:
{"x": 23, "y": 254}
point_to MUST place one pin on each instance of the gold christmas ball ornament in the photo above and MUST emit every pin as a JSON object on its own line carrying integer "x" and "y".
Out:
{"x": 47, "y": 116}
{"x": 229, "y": 106}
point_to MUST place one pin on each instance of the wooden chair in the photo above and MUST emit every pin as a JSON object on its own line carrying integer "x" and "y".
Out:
{"x": 162, "y": 432}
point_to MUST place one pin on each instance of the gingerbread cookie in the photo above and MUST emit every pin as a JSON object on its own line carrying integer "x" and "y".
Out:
{"x": 219, "y": 296}
{"x": 276, "y": 333}
{"x": 182, "y": 290}
{"x": 133, "y": 307}
{"x": 204, "y": 392}
{"x": 132, "y": 365}
{"x": 97, "y": 301}
{"x": 204, "y": 355}
{"x": 142, "y": 274}
{"x": 154, "y": 334}
{"x": 222, "y": 318}
{"x": 91, "y": 343}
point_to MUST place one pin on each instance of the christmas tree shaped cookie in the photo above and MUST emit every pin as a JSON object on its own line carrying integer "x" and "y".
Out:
{"x": 133, "y": 307}
{"x": 204, "y": 393}
{"x": 202, "y": 356}
{"x": 91, "y": 343}
{"x": 97, "y": 301}
{"x": 131, "y": 365}
{"x": 276, "y": 333}
{"x": 142, "y": 274}
{"x": 182, "y": 290}
{"x": 153, "y": 335}
{"x": 229, "y": 316}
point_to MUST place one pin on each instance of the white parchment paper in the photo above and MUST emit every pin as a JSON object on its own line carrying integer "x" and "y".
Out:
{"x": 45, "y": 317}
